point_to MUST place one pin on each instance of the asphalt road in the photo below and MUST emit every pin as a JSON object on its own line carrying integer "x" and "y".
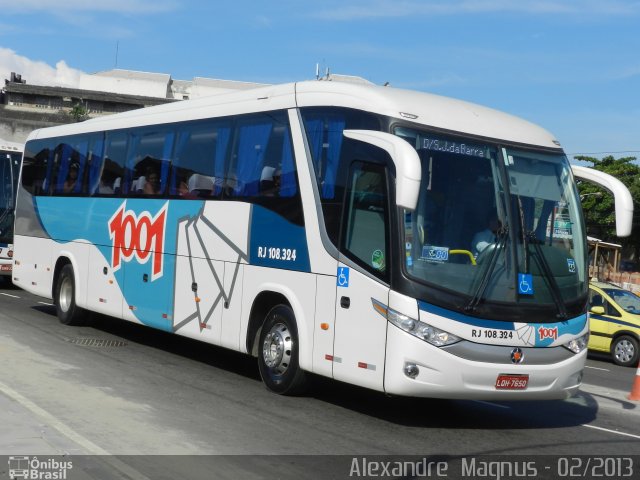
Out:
{"x": 115, "y": 388}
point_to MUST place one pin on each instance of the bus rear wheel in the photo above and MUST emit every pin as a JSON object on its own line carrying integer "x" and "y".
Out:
{"x": 278, "y": 353}
{"x": 65, "y": 298}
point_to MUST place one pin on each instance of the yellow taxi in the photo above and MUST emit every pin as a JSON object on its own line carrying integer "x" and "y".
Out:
{"x": 614, "y": 323}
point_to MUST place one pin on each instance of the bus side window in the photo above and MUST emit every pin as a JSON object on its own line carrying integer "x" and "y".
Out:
{"x": 95, "y": 157}
{"x": 62, "y": 174}
{"x": 37, "y": 156}
{"x": 331, "y": 154}
{"x": 148, "y": 160}
{"x": 114, "y": 159}
{"x": 77, "y": 167}
{"x": 365, "y": 229}
{"x": 250, "y": 150}
{"x": 197, "y": 169}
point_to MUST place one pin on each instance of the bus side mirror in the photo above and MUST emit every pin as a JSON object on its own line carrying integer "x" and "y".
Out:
{"x": 405, "y": 158}
{"x": 622, "y": 196}
{"x": 599, "y": 310}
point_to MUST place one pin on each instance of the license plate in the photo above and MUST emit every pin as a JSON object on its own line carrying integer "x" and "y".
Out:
{"x": 5, "y": 268}
{"x": 512, "y": 382}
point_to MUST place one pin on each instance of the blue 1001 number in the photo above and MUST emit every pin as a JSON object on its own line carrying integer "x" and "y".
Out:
{"x": 273, "y": 253}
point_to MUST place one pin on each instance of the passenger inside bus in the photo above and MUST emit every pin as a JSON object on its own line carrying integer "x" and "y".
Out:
{"x": 151, "y": 183}
{"x": 269, "y": 182}
{"x": 486, "y": 237}
{"x": 72, "y": 178}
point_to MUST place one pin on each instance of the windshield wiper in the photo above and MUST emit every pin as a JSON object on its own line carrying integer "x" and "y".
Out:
{"x": 525, "y": 235}
{"x": 543, "y": 265}
{"x": 501, "y": 239}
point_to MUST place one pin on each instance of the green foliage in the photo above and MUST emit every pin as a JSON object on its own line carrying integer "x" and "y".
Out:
{"x": 79, "y": 113}
{"x": 598, "y": 204}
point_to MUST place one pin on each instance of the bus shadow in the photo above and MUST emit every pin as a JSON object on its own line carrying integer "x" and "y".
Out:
{"x": 191, "y": 349}
{"x": 403, "y": 411}
{"x": 459, "y": 414}
{"x": 7, "y": 284}
{"x": 97, "y": 325}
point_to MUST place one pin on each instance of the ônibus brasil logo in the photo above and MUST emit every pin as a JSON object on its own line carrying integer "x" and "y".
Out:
{"x": 138, "y": 236}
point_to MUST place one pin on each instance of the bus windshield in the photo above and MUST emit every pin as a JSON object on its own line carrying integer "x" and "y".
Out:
{"x": 494, "y": 224}
{"x": 9, "y": 171}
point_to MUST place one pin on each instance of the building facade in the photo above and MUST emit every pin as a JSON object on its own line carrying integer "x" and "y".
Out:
{"x": 25, "y": 107}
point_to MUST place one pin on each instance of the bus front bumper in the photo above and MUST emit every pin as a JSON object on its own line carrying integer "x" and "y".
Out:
{"x": 416, "y": 368}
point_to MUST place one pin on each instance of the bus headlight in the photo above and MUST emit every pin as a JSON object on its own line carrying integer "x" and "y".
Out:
{"x": 578, "y": 344}
{"x": 422, "y": 330}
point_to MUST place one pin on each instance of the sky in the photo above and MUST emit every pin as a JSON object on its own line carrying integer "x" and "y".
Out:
{"x": 571, "y": 66}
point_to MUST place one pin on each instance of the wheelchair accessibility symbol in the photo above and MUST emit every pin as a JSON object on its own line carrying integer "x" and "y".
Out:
{"x": 525, "y": 284}
{"x": 343, "y": 277}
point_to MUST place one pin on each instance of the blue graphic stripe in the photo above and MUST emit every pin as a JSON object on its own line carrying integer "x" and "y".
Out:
{"x": 572, "y": 327}
{"x": 459, "y": 317}
{"x": 617, "y": 322}
{"x": 274, "y": 242}
{"x": 277, "y": 243}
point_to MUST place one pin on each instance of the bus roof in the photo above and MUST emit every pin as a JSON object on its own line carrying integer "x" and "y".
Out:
{"x": 433, "y": 111}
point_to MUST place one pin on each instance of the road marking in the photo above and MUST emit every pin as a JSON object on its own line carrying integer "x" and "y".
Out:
{"x": 72, "y": 434}
{"x": 48, "y": 304}
{"x": 612, "y": 431}
{"x": 8, "y": 295}
{"x": 596, "y": 368}
{"x": 53, "y": 421}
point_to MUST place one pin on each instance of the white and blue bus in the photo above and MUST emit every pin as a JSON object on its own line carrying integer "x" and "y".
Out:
{"x": 10, "y": 157}
{"x": 322, "y": 227}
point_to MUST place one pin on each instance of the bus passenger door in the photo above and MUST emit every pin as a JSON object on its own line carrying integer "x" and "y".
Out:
{"x": 360, "y": 331}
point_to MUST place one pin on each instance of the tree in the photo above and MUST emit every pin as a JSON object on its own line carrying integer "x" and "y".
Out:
{"x": 79, "y": 112}
{"x": 598, "y": 204}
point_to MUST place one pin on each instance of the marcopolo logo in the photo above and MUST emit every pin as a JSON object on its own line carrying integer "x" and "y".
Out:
{"x": 35, "y": 469}
{"x": 138, "y": 236}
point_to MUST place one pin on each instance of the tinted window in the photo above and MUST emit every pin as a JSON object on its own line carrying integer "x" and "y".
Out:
{"x": 201, "y": 151}
{"x": 148, "y": 160}
{"x": 262, "y": 160}
{"x": 332, "y": 154}
{"x": 115, "y": 154}
{"x": 261, "y": 167}
{"x": 95, "y": 163}
{"x": 243, "y": 158}
{"x": 366, "y": 223}
{"x": 37, "y": 156}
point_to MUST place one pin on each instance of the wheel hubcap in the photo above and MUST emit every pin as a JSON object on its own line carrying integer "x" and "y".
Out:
{"x": 624, "y": 351}
{"x": 276, "y": 348}
{"x": 66, "y": 294}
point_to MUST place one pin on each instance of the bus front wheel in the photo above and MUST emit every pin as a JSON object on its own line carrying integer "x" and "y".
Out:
{"x": 278, "y": 353}
{"x": 65, "y": 298}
